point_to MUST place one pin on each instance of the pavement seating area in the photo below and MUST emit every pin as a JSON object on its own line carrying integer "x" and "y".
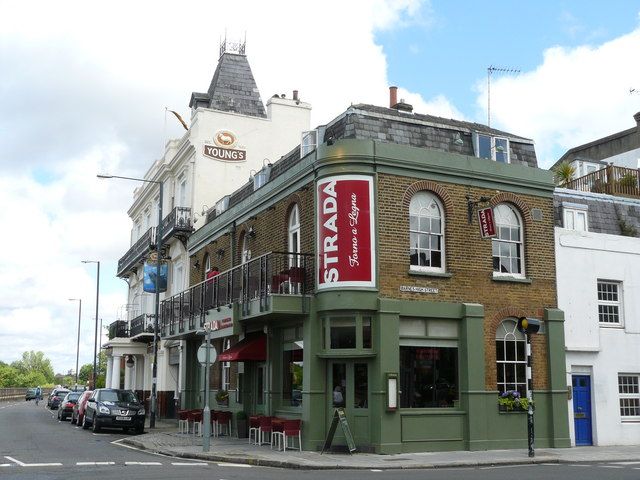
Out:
{"x": 190, "y": 421}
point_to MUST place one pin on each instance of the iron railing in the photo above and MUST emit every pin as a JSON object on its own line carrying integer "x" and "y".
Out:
{"x": 275, "y": 273}
{"x": 141, "y": 324}
{"x": 178, "y": 221}
{"x": 611, "y": 180}
{"x": 118, "y": 329}
{"x": 136, "y": 252}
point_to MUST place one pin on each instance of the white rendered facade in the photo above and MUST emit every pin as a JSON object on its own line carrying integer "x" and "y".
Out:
{"x": 606, "y": 352}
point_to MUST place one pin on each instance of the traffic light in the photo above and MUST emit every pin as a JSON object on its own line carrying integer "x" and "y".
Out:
{"x": 528, "y": 325}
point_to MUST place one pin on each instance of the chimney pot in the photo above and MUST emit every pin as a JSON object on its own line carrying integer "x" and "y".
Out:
{"x": 295, "y": 94}
{"x": 637, "y": 119}
{"x": 393, "y": 96}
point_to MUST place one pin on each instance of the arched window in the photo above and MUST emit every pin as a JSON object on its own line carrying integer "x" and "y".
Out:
{"x": 294, "y": 235}
{"x": 245, "y": 252}
{"x": 426, "y": 233}
{"x": 507, "y": 245}
{"x": 511, "y": 358}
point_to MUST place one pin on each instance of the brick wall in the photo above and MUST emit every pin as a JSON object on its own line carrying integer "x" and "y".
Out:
{"x": 469, "y": 259}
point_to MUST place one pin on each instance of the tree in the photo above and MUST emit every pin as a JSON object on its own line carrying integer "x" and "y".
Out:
{"x": 86, "y": 371}
{"x": 35, "y": 362}
{"x": 8, "y": 376}
{"x": 564, "y": 173}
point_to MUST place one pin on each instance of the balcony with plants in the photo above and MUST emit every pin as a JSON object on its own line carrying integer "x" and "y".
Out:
{"x": 273, "y": 284}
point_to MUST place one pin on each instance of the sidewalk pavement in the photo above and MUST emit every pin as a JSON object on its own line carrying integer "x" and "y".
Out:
{"x": 164, "y": 439}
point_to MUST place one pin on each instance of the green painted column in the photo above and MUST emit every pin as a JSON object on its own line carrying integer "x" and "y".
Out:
{"x": 558, "y": 408}
{"x": 472, "y": 376}
{"x": 386, "y": 428}
{"x": 314, "y": 401}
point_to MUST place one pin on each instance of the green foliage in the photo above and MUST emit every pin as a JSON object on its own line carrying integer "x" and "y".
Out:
{"x": 628, "y": 180}
{"x": 512, "y": 400}
{"x": 222, "y": 396}
{"x": 9, "y": 376}
{"x": 627, "y": 230}
{"x": 85, "y": 373}
{"x": 34, "y": 362}
{"x": 563, "y": 173}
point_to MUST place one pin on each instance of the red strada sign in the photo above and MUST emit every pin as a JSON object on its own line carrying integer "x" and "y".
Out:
{"x": 487, "y": 224}
{"x": 346, "y": 243}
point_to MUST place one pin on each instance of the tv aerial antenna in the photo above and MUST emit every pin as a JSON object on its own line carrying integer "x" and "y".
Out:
{"x": 490, "y": 70}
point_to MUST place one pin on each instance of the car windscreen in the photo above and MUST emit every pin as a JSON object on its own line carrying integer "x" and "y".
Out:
{"x": 118, "y": 396}
{"x": 61, "y": 393}
{"x": 73, "y": 397}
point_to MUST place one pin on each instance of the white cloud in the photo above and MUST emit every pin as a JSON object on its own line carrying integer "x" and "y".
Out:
{"x": 575, "y": 96}
{"x": 86, "y": 93}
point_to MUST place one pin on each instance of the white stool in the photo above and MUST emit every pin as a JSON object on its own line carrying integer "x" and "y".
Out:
{"x": 183, "y": 426}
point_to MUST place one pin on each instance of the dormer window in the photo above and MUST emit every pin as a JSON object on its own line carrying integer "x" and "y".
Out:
{"x": 491, "y": 148}
{"x": 308, "y": 143}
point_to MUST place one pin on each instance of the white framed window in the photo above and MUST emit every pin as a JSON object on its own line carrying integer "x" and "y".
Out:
{"x": 507, "y": 246}
{"x": 294, "y": 235}
{"x": 609, "y": 303}
{"x": 182, "y": 191}
{"x": 245, "y": 252}
{"x": 629, "y": 391}
{"x": 511, "y": 358}
{"x": 225, "y": 372}
{"x": 575, "y": 219}
{"x": 426, "y": 233}
{"x": 308, "y": 142}
{"x": 491, "y": 148}
{"x": 178, "y": 277}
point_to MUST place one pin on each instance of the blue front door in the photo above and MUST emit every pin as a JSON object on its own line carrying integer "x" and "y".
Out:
{"x": 582, "y": 409}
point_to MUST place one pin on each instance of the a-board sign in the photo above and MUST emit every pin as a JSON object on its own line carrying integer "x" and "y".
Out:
{"x": 341, "y": 418}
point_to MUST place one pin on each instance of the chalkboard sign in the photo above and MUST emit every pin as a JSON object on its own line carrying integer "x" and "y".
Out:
{"x": 339, "y": 417}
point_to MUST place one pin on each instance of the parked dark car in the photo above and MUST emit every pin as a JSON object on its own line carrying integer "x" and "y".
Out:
{"x": 114, "y": 408}
{"x": 30, "y": 395}
{"x": 55, "y": 397}
{"x": 66, "y": 405}
{"x": 77, "y": 415}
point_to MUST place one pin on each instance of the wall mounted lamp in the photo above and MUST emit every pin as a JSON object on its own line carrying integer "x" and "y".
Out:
{"x": 130, "y": 363}
{"x": 220, "y": 253}
{"x": 457, "y": 139}
{"x": 252, "y": 233}
{"x": 196, "y": 264}
{"x": 472, "y": 204}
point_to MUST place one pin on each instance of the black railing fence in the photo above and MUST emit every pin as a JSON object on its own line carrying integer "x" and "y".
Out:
{"x": 275, "y": 273}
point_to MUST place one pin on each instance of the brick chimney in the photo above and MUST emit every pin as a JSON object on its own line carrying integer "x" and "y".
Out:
{"x": 393, "y": 96}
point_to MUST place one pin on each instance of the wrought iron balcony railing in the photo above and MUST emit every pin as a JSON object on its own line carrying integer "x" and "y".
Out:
{"x": 177, "y": 223}
{"x": 141, "y": 324}
{"x": 119, "y": 329}
{"x": 136, "y": 252}
{"x": 611, "y": 180}
{"x": 276, "y": 273}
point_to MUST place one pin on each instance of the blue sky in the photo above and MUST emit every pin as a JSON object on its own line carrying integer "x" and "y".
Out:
{"x": 80, "y": 97}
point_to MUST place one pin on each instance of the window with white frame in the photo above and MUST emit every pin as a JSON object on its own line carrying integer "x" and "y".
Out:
{"x": 507, "y": 246}
{"x": 511, "y": 358}
{"x": 575, "y": 219}
{"x": 629, "y": 392}
{"x": 609, "y": 302}
{"x": 225, "y": 367}
{"x": 294, "y": 235}
{"x": 426, "y": 233}
{"x": 491, "y": 148}
{"x": 182, "y": 191}
{"x": 245, "y": 252}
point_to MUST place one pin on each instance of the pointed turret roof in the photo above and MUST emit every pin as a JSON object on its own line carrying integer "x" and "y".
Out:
{"x": 232, "y": 89}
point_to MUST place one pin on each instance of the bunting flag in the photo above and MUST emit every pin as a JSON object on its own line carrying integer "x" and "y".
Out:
{"x": 180, "y": 119}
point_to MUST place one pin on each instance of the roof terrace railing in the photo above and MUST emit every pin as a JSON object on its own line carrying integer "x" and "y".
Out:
{"x": 611, "y": 180}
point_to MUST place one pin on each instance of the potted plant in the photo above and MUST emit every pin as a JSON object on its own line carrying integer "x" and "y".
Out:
{"x": 241, "y": 424}
{"x": 511, "y": 400}
{"x": 222, "y": 397}
{"x": 564, "y": 173}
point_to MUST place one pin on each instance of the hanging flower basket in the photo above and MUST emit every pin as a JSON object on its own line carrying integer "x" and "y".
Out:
{"x": 222, "y": 397}
{"x": 511, "y": 401}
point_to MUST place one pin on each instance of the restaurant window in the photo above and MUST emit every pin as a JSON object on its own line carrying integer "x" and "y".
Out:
{"x": 342, "y": 332}
{"x": 426, "y": 233}
{"x": 292, "y": 367}
{"x": 428, "y": 376}
{"x": 347, "y": 332}
{"x": 511, "y": 359}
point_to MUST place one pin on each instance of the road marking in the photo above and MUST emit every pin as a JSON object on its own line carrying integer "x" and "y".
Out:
{"x": 5, "y": 464}
{"x": 375, "y": 470}
{"x": 241, "y": 465}
{"x": 625, "y": 463}
{"x": 184, "y": 464}
{"x": 610, "y": 466}
{"x": 578, "y": 465}
{"x": 142, "y": 463}
{"x": 507, "y": 466}
{"x": 95, "y": 463}
{"x": 22, "y": 464}
{"x": 18, "y": 462}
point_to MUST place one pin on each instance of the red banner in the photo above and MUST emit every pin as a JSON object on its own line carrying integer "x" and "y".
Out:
{"x": 487, "y": 224}
{"x": 346, "y": 245}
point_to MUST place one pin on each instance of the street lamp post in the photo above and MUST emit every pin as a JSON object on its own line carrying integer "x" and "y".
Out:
{"x": 154, "y": 374}
{"x": 79, "y": 300}
{"x": 95, "y": 338}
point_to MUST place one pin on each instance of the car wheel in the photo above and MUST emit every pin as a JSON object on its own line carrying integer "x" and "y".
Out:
{"x": 140, "y": 429}
{"x": 63, "y": 417}
{"x": 94, "y": 425}
{"x": 85, "y": 425}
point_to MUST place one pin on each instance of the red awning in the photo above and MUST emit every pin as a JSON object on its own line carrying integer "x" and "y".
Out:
{"x": 247, "y": 350}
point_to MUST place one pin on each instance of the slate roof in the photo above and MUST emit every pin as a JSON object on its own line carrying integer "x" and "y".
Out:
{"x": 605, "y": 213}
{"x": 232, "y": 89}
{"x": 389, "y": 125}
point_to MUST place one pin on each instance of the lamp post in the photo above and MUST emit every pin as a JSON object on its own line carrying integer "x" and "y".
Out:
{"x": 154, "y": 374}
{"x": 79, "y": 300}
{"x": 95, "y": 338}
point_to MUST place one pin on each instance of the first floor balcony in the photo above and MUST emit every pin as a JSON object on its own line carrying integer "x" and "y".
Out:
{"x": 119, "y": 329}
{"x": 273, "y": 283}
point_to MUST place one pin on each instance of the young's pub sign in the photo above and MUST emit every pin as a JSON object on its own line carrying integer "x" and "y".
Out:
{"x": 346, "y": 242}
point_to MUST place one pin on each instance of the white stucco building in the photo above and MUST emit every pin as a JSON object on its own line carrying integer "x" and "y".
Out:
{"x": 232, "y": 136}
{"x": 598, "y": 274}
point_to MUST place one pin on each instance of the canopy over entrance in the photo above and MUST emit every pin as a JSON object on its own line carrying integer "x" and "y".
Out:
{"x": 252, "y": 349}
